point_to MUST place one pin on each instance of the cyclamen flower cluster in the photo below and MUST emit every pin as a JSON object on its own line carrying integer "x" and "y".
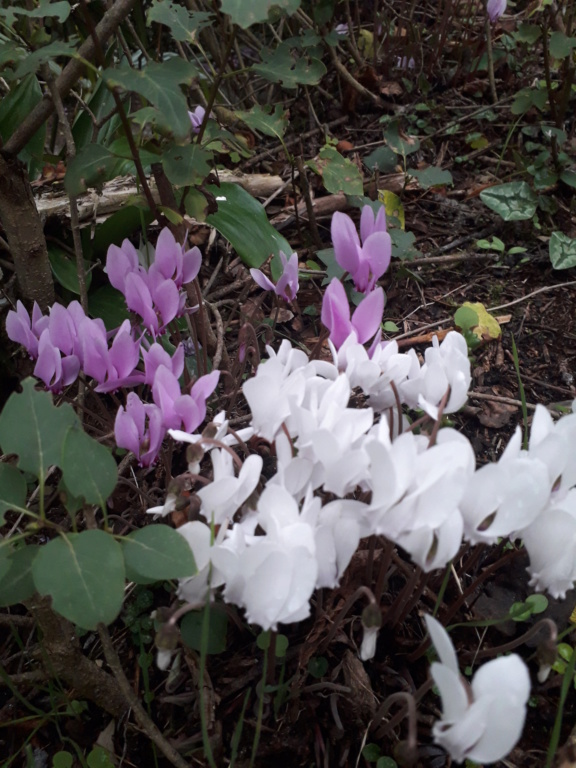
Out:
{"x": 302, "y": 530}
{"x": 154, "y": 294}
{"x": 67, "y": 341}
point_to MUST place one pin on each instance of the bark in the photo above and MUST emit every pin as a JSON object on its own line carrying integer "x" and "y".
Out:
{"x": 64, "y": 659}
{"x": 24, "y": 233}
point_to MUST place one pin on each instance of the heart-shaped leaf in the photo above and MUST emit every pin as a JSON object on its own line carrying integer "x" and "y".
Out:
{"x": 32, "y": 427}
{"x": 513, "y": 202}
{"x": 84, "y": 575}
{"x": 158, "y": 552}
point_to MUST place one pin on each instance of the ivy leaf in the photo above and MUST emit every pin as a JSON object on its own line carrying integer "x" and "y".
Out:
{"x": 186, "y": 166}
{"x": 513, "y": 202}
{"x": 183, "y": 24}
{"x": 34, "y": 60}
{"x": 91, "y": 167}
{"x": 561, "y": 45}
{"x": 338, "y": 173}
{"x": 32, "y": 427}
{"x": 160, "y": 85}
{"x": 256, "y": 11}
{"x": 432, "y": 177}
{"x": 270, "y": 123}
{"x": 84, "y": 575}
{"x": 281, "y": 66}
{"x": 46, "y": 9}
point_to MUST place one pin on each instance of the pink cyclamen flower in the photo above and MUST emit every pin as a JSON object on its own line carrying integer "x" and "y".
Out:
{"x": 287, "y": 286}
{"x": 365, "y": 320}
{"x": 177, "y": 409}
{"x": 368, "y": 261}
{"x": 139, "y": 429}
{"x": 55, "y": 371}
{"x": 495, "y": 9}
{"x": 197, "y": 118}
{"x": 172, "y": 262}
{"x": 25, "y": 331}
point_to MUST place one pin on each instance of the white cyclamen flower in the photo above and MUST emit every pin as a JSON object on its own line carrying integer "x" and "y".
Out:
{"x": 446, "y": 367}
{"x": 481, "y": 721}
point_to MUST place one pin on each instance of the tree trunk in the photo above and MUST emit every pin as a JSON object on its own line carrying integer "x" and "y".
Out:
{"x": 24, "y": 233}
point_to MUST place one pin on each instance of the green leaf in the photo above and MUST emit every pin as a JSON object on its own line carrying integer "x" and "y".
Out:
{"x": 562, "y": 251}
{"x": 14, "y": 108}
{"x": 186, "y": 166}
{"x": 62, "y": 760}
{"x": 569, "y": 178}
{"x": 159, "y": 552}
{"x": 17, "y": 584}
{"x": 283, "y": 66}
{"x": 371, "y": 752}
{"x": 403, "y": 244}
{"x": 100, "y": 103}
{"x": 281, "y": 646}
{"x": 191, "y": 629}
{"x": 513, "y": 202}
{"x": 36, "y": 59}
{"x": 91, "y": 167}
{"x": 99, "y": 758}
{"x": 528, "y": 33}
{"x": 271, "y": 123}
{"x": 5, "y": 551}
{"x": 318, "y": 666}
{"x": 159, "y": 84}
{"x": 84, "y": 575}
{"x": 256, "y": 11}
{"x": 390, "y": 327}
{"x": 400, "y": 143}
{"x": 183, "y": 24}
{"x": 538, "y": 603}
{"x": 432, "y": 177}
{"x": 466, "y": 318}
{"x": 520, "y": 612}
{"x": 386, "y": 762}
{"x": 110, "y": 305}
{"x": 32, "y": 427}
{"x": 46, "y": 9}
{"x": 87, "y": 467}
{"x": 527, "y": 98}
{"x": 338, "y": 173}
{"x": 561, "y": 45}
{"x": 243, "y": 222}
{"x": 65, "y": 271}
{"x": 382, "y": 158}
{"x": 12, "y": 489}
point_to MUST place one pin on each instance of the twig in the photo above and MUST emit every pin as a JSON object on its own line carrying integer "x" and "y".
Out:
{"x": 309, "y": 204}
{"x": 534, "y": 293}
{"x": 142, "y": 718}
{"x": 71, "y": 154}
{"x": 351, "y": 80}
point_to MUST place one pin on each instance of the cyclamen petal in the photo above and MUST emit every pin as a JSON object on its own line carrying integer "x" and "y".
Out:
{"x": 19, "y": 329}
{"x": 495, "y": 9}
{"x": 482, "y": 722}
